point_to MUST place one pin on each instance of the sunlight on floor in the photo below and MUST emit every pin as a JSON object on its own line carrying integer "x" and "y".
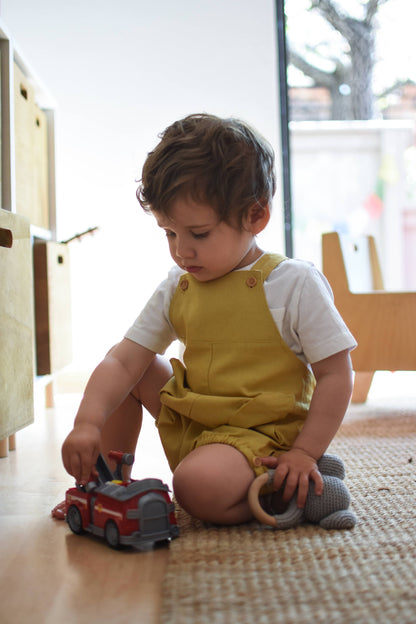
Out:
{"x": 400, "y": 384}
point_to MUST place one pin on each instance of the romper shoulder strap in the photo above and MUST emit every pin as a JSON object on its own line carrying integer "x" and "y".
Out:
{"x": 267, "y": 263}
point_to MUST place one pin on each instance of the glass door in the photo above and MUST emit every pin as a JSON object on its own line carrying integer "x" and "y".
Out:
{"x": 352, "y": 111}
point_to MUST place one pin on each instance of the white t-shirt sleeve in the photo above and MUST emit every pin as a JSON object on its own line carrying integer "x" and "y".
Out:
{"x": 152, "y": 328}
{"x": 301, "y": 303}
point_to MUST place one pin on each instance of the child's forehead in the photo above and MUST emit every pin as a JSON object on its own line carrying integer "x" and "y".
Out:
{"x": 187, "y": 213}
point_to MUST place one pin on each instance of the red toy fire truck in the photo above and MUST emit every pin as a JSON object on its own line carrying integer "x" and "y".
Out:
{"x": 136, "y": 513}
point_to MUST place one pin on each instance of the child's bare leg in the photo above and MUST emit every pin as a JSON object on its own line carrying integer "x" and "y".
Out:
{"x": 212, "y": 482}
{"x": 122, "y": 429}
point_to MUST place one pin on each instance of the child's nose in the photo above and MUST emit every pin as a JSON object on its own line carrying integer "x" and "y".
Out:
{"x": 184, "y": 249}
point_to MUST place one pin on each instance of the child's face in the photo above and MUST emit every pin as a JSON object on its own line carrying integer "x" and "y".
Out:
{"x": 201, "y": 244}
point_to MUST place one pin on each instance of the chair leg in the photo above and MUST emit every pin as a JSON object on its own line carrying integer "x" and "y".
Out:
{"x": 362, "y": 383}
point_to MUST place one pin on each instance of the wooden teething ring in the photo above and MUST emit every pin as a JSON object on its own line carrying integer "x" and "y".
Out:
{"x": 253, "y": 501}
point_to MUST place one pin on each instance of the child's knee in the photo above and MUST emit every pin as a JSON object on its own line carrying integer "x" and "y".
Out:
{"x": 196, "y": 488}
{"x": 204, "y": 484}
{"x": 208, "y": 493}
{"x": 190, "y": 481}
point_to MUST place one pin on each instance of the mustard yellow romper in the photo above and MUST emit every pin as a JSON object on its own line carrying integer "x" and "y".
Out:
{"x": 241, "y": 384}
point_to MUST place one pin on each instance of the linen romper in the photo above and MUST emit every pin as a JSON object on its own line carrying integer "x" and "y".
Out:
{"x": 240, "y": 383}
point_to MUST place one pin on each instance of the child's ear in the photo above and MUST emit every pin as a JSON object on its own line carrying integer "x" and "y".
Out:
{"x": 257, "y": 218}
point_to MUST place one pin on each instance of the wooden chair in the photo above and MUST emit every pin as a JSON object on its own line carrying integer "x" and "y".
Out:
{"x": 382, "y": 322}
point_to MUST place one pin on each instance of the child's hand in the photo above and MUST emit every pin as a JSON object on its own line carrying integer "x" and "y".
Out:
{"x": 80, "y": 451}
{"x": 294, "y": 469}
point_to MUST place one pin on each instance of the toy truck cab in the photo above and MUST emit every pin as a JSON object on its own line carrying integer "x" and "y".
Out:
{"x": 135, "y": 513}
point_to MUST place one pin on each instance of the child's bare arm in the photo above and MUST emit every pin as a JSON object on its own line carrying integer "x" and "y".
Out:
{"x": 108, "y": 385}
{"x": 328, "y": 406}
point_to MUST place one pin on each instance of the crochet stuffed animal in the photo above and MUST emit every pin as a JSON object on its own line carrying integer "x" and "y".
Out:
{"x": 330, "y": 510}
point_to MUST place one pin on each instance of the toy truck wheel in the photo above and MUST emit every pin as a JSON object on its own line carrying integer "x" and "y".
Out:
{"x": 112, "y": 534}
{"x": 74, "y": 519}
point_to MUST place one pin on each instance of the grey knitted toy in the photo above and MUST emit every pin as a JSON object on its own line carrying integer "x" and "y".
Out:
{"x": 330, "y": 510}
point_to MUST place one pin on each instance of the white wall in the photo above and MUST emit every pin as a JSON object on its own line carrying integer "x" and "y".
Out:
{"x": 120, "y": 73}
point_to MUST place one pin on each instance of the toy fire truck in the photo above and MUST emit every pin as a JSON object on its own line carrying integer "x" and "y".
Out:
{"x": 135, "y": 513}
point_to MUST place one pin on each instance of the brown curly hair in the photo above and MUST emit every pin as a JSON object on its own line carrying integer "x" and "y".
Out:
{"x": 221, "y": 162}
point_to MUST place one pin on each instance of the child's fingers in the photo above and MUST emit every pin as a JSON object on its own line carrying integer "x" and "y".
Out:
{"x": 280, "y": 475}
{"x": 304, "y": 485}
{"x": 88, "y": 461}
{"x": 80, "y": 466}
{"x": 291, "y": 484}
{"x": 270, "y": 461}
{"x": 294, "y": 482}
{"x": 73, "y": 466}
{"x": 303, "y": 489}
{"x": 316, "y": 477}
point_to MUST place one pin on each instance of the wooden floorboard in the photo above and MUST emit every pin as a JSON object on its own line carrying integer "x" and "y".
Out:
{"x": 49, "y": 574}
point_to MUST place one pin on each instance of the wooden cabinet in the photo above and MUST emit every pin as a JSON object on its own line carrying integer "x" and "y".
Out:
{"x": 34, "y": 267}
{"x": 16, "y": 324}
{"x": 52, "y": 306}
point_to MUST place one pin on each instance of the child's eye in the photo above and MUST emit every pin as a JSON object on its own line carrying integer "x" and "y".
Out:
{"x": 200, "y": 235}
{"x": 170, "y": 234}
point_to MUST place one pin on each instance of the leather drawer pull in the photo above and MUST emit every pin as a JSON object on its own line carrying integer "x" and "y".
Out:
{"x": 6, "y": 238}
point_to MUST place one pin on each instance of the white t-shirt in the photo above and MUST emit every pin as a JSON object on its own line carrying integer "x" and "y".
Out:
{"x": 300, "y": 301}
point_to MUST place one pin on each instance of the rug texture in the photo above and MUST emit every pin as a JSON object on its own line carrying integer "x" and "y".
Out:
{"x": 253, "y": 575}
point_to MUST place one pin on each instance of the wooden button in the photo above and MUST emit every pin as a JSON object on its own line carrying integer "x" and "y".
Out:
{"x": 251, "y": 281}
{"x": 184, "y": 284}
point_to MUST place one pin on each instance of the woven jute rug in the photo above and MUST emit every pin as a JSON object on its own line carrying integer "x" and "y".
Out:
{"x": 252, "y": 575}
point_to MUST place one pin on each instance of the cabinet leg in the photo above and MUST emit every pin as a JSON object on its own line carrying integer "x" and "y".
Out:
{"x": 4, "y": 447}
{"x": 49, "y": 402}
{"x": 7, "y": 444}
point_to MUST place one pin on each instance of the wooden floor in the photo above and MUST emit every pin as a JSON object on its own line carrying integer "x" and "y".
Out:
{"x": 49, "y": 575}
